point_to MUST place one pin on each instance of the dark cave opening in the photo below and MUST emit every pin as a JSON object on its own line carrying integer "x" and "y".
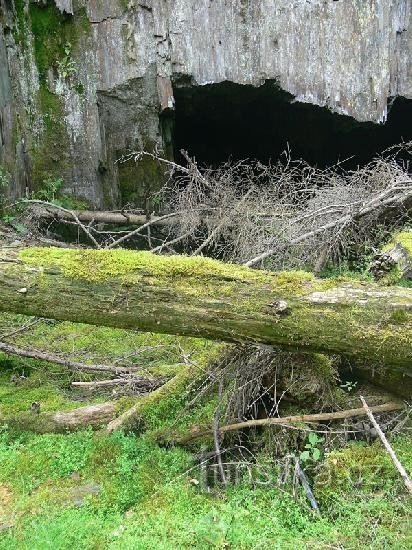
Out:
{"x": 220, "y": 121}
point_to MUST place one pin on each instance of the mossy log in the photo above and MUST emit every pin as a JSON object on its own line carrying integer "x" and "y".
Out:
{"x": 95, "y": 416}
{"x": 209, "y": 299}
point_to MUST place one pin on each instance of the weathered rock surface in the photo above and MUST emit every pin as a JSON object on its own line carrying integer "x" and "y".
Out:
{"x": 85, "y": 81}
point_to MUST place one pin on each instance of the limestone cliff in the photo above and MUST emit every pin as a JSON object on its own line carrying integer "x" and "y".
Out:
{"x": 82, "y": 82}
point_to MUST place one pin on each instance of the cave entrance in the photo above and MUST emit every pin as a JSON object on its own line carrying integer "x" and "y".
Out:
{"x": 221, "y": 121}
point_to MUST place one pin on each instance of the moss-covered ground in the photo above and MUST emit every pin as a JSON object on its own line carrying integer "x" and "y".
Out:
{"x": 90, "y": 490}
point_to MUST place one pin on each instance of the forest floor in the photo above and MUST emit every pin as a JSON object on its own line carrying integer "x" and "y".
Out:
{"x": 92, "y": 490}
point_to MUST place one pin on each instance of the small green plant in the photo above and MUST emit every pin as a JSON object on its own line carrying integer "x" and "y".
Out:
{"x": 50, "y": 189}
{"x": 66, "y": 66}
{"x": 349, "y": 386}
{"x": 312, "y": 453}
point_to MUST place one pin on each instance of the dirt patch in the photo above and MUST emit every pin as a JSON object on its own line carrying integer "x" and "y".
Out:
{"x": 6, "y": 512}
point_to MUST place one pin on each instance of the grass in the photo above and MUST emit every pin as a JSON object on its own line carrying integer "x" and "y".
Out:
{"x": 145, "y": 499}
{"x": 91, "y": 490}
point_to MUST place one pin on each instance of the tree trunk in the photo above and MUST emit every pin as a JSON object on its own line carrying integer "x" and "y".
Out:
{"x": 209, "y": 299}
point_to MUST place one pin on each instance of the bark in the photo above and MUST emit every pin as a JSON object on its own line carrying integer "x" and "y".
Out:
{"x": 100, "y": 216}
{"x": 102, "y": 383}
{"x": 94, "y": 415}
{"x": 209, "y": 299}
{"x": 398, "y": 257}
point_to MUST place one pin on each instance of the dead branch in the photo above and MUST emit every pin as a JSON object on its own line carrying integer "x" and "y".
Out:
{"x": 306, "y": 485}
{"x": 71, "y": 213}
{"x": 374, "y": 206}
{"x": 31, "y": 353}
{"x": 305, "y": 418}
{"x": 102, "y": 383}
{"x": 308, "y": 213}
{"x": 369, "y": 411}
{"x": 140, "y": 230}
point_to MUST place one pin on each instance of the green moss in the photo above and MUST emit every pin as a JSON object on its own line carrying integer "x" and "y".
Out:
{"x": 21, "y": 23}
{"x": 395, "y": 275}
{"x": 49, "y": 152}
{"x": 361, "y": 466}
{"x": 404, "y": 238}
{"x": 399, "y": 316}
{"x": 100, "y": 265}
{"x": 138, "y": 182}
{"x": 52, "y": 31}
{"x": 36, "y": 386}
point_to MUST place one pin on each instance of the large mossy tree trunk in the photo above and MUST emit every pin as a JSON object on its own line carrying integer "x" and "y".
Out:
{"x": 206, "y": 298}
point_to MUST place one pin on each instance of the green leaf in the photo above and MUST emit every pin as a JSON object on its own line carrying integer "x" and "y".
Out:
{"x": 316, "y": 454}
{"x": 313, "y": 438}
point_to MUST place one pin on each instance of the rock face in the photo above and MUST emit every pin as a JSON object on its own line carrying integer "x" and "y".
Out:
{"x": 83, "y": 82}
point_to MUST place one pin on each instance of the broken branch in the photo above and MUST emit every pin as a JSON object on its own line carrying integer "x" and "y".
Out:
{"x": 303, "y": 418}
{"x": 406, "y": 479}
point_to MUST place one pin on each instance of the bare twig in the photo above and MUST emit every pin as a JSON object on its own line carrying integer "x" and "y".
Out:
{"x": 68, "y": 212}
{"x": 58, "y": 360}
{"x": 22, "y": 328}
{"x": 305, "y": 484}
{"x": 369, "y": 411}
{"x": 140, "y": 230}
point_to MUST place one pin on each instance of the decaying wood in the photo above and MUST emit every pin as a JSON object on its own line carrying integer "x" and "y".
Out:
{"x": 369, "y": 411}
{"x": 102, "y": 383}
{"x": 302, "y": 418}
{"x": 93, "y": 415}
{"x": 397, "y": 257}
{"x": 85, "y": 416}
{"x": 206, "y": 298}
{"x": 49, "y": 211}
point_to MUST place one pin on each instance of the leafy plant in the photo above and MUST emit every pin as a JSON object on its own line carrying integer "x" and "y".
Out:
{"x": 50, "y": 189}
{"x": 312, "y": 452}
{"x": 66, "y": 66}
{"x": 349, "y": 386}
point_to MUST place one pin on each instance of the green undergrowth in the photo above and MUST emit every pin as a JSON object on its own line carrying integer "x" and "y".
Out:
{"x": 25, "y": 382}
{"x": 90, "y": 490}
{"x": 152, "y": 354}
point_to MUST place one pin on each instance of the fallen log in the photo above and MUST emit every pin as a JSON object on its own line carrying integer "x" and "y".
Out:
{"x": 94, "y": 416}
{"x": 206, "y": 298}
{"x": 102, "y": 383}
{"x": 99, "y": 216}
